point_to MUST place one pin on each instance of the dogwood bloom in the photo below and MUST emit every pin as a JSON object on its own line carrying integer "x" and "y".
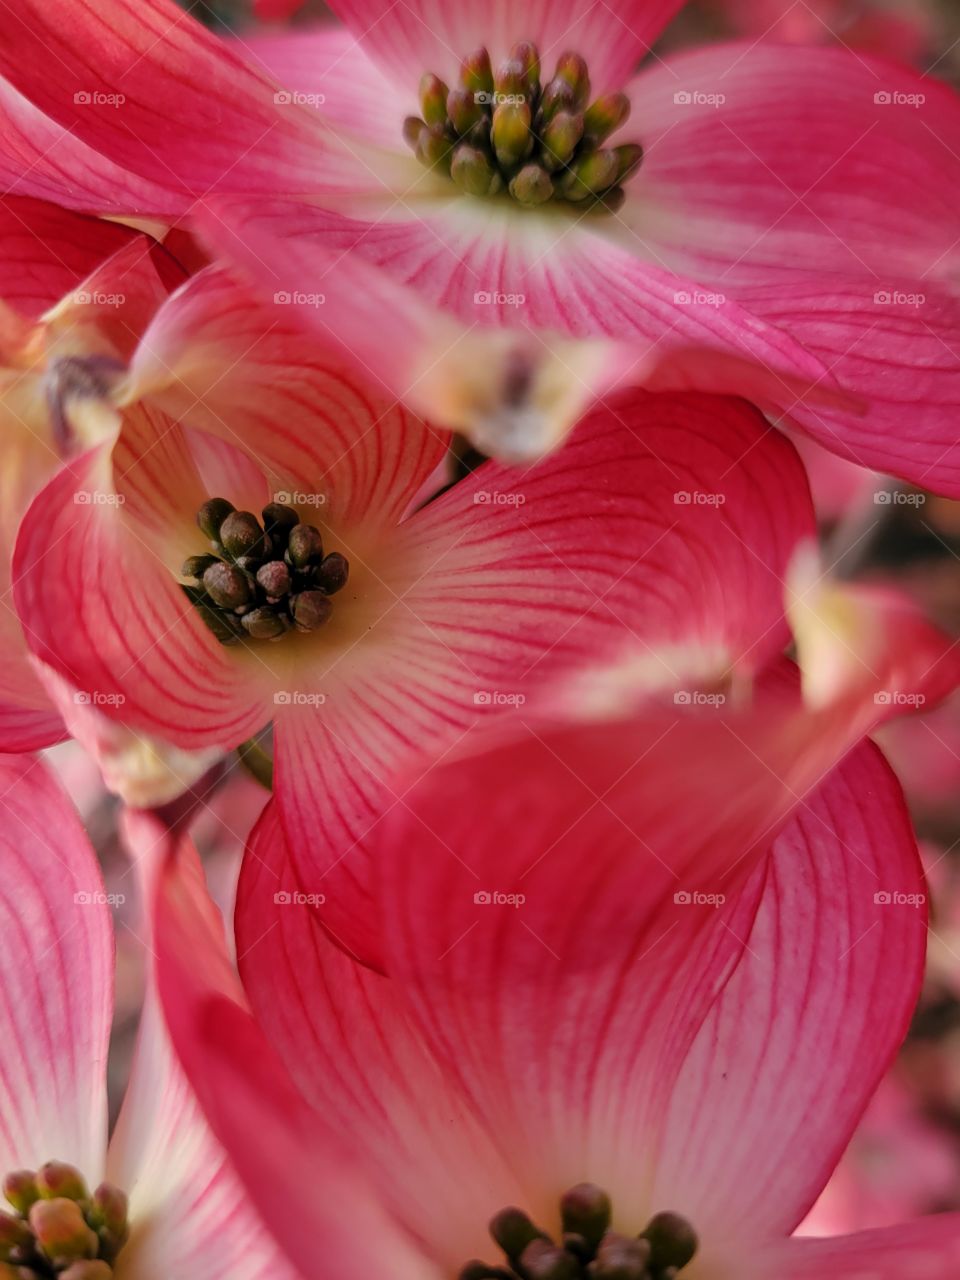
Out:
{"x": 611, "y": 1034}
{"x": 788, "y": 226}
{"x": 159, "y": 1199}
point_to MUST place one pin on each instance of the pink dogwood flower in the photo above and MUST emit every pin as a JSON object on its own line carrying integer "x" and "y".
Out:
{"x": 603, "y": 1006}
{"x": 790, "y": 224}
{"x": 160, "y": 1199}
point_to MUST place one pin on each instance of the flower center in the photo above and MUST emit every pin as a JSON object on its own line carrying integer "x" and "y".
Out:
{"x": 589, "y": 1249}
{"x": 261, "y": 580}
{"x": 58, "y": 1229}
{"x": 506, "y": 131}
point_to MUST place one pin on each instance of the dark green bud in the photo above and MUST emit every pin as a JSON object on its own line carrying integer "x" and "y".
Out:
{"x": 433, "y": 147}
{"x": 464, "y": 110}
{"x": 304, "y": 545}
{"x": 274, "y": 578}
{"x": 673, "y": 1242}
{"x": 241, "y": 534}
{"x": 195, "y": 566}
{"x": 331, "y": 575}
{"x": 510, "y": 134}
{"x": 433, "y": 100}
{"x": 560, "y": 139}
{"x": 226, "y": 585}
{"x": 212, "y": 515}
{"x": 61, "y": 1231}
{"x": 590, "y": 175}
{"x": 56, "y": 1179}
{"x": 278, "y": 520}
{"x": 311, "y": 609}
{"x": 21, "y": 1190}
{"x": 629, "y": 159}
{"x": 586, "y": 1211}
{"x": 479, "y": 135}
{"x": 605, "y": 115}
{"x": 557, "y": 96}
{"x": 513, "y": 1230}
{"x": 263, "y": 624}
{"x": 572, "y": 68}
{"x": 532, "y": 185}
{"x": 476, "y": 73}
{"x": 542, "y": 1260}
{"x": 472, "y": 171}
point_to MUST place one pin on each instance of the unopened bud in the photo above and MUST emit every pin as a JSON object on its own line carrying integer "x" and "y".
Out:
{"x": 464, "y": 110}
{"x": 673, "y": 1241}
{"x": 572, "y": 68}
{"x": 305, "y": 544}
{"x": 413, "y": 126}
{"x": 21, "y": 1190}
{"x": 590, "y": 175}
{"x": 56, "y": 1180}
{"x": 472, "y": 171}
{"x": 278, "y": 520}
{"x": 629, "y": 159}
{"x": 14, "y": 1234}
{"x": 310, "y": 609}
{"x": 274, "y": 578}
{"x": 528, "y": 56}
{"x": 532, "y": 185}
{"x": 510, "y": 133}
{"x": 620, "y": 1258}
{"x": 226, "y": 585}
{"x": 95, "y": 1270}
{"x": 560, "y": 139}
{"x": 476, "y": 73}
{"x": 605, "y": 115}
{"x": 241, "y": 534}
{"x": 196, "y": 566}
{"x": 61, "y": 1231}
{"x": 332, "y": 574}
{"x": 511, "y": 79}
{"x": 433, "y": 147}
{"x": 212, "y": 515}
{"x": 586, "y": 1210}
{"x": 513, "y": 1230}
{"x": 433, "y": 100}
{"x": 542, "y": 1260}
{"x": 263, "y": 624}
{"x": 557, "y": 96}
{"x": 110, "y": 1208}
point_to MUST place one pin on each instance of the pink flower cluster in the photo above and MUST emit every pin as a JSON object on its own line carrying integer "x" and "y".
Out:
{"x": 408, "y": 407}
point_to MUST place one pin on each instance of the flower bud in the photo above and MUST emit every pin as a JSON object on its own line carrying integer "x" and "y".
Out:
{"x": 56, "y": 1180}
{"x": 620, "y": 1258}
{"x": 532, "y": 185}
{"x": 14, "y": 1234}
{"x": 476, "y": 73}
{"x": 590, "y": 175}
{"x": 560, "y": 139}
{"x": 586, "y": 1211}
{"x": 513, "y": 1230}
{"x": 196, "y": 566}
{"x": 278, "y": 520}
{"x": 61, "y": 1232}
{"x": 21, "y": 1190}
{"x": 542, "y": 1260}
{"x": 95, "y": 1270}
{"x": 274, "y": 578}
{"x": 305, "y": 544}
{"x": 310, "y": 609}
{"x": 511, "y": 79}
{"x": 433, "y": 100}
{"x": 413, "y": 126}
{"x": 527, "y": 55}
{"x": 557, "y": 96}
{"x": 110, "y": 1208}
{"x": 472, "y": 171}
{"x": 331, "y": 575}
{"x": 241, "y": 534}
{"x": 510, "y": 133}
{"x": 433, "y": 147}
{"x": 464, "y": 110}
{"x": 605, "y": 115}
{"x": 572, "y": 68}
{"x": 226, "y": 585}
{"x": 263, "y": 624}
{"x": 629, "y": 158}
{"x": 673, "y": 1241}
{"x": 212, "y": 515}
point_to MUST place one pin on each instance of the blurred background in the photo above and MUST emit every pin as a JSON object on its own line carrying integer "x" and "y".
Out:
{"x": 905, "y": 1158}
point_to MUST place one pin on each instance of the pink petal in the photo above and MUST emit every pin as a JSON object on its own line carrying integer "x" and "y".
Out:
{"x": 793, "y": 1050}
{"x": 926, "y": 1249}
{"x": 426, "y": 35}
{"x": 56, "y": 975}
{"x": 306, "y": 1181}
{"x": 513, "y": 579}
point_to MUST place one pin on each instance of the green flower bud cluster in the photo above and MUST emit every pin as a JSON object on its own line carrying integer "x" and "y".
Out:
{"x": 504, "y": 131}
{"x": 57, "y": 1228}
{"x": 589, "y": 1249}
{"x": 262, "y": 579}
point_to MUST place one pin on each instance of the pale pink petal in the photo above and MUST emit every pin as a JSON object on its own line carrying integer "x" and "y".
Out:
{"x": 56, "y": 978}
{"x": 925, "y": 1249}
{"x": 429, "y": 35}
{"x": 785, "y": 1064}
